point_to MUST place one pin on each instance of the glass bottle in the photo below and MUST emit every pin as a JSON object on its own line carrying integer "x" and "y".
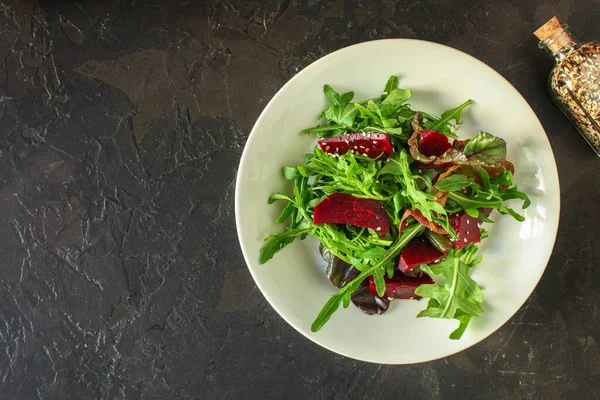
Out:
{"x": 575, "y": 79}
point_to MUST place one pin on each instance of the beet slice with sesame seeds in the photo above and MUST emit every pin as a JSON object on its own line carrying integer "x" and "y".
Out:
{"x": 418, "y": 251}
{"x": 433, "y": 143}
{"x": 466, "y": 227}
{"x": 370, "y": 144}
{"x": 401, "y": 286}
{"x": 341, "y": 208}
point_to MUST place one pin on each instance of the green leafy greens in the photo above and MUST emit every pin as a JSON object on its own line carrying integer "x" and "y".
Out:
{"x": 418, "y": 196}
{"x": 491, "y": 194}
{"x": 459, "y": 297}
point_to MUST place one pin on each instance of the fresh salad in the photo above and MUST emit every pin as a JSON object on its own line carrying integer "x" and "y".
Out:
{"x": 396, "y": 201}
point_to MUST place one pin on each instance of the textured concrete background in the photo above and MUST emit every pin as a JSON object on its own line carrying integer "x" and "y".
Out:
{"x": 121, "y": 127}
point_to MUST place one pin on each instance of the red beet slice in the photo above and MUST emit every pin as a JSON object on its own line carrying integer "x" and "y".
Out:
{"x": 432, "y": 143}
{"x": 340, "y": 208}
{"x": 401, "y": 286}
{"x": 417, "y": 252}
{"x": 369, "y": 144}
{"x": 466, "y": 227}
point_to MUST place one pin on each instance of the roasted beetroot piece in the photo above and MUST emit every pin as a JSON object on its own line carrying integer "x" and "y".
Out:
{"x": 418, "y": 251}
{"x": 466, "y": 227}
{"x": 369, "y": 144}
{"x": 340, "y": 208}
{"x": 432, "y": 143}
{"x": 337, "y": 208}
{"x": 401, "y": 286}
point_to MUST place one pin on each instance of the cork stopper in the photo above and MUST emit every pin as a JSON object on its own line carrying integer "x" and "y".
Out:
{"x": 553, "y": 35}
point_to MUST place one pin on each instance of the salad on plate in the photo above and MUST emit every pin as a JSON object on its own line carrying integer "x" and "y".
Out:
{"x": 396, "y": 200}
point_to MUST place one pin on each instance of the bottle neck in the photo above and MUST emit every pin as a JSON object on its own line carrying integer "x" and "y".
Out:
{"x": 559, "y": 45}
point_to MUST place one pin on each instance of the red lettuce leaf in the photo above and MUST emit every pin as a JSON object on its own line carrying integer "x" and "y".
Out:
{"x": 482, "y": 150}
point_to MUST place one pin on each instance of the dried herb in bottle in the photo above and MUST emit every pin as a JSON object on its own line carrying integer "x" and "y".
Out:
{"x": 575, "y": 80}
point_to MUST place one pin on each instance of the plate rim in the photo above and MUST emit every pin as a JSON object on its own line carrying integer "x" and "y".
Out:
{"x": 298, "y": 76}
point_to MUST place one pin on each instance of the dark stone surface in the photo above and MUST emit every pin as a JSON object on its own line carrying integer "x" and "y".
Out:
{"x": 120, "y": 272}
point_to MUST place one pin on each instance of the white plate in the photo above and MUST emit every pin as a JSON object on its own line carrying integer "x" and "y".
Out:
{"x": 515, "y": 254}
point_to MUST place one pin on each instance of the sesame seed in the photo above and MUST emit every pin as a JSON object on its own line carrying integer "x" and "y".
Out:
{"x": 367, "y": 149}
{"x": 362, "y": 147}
{"x": 378, "y": 228}
{"x": 377, "y": 181}
{"x": 347, "y": 142}
{"x": 465, "y": 240}
{"x": 336, "y": 149}
{"x": 355, "y": 147}
{"x": 327, "y": 148}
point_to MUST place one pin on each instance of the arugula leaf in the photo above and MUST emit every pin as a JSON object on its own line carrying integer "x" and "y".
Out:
{"x": 340, "y": 110}
{"x": 385, "y": 114}
{"x": 453, "y": 183}
{"x": 378, "y": 278}
{"x": 419, "y": 200}
{"x": 463, "y": 319}
{"x": 332, "y": 96}
{"x": 325, "y": 131}
{"x": 458, "y": 297}
{"x": 396, "y": 97}
{"x": 349, "y": 173}
{"x": 473, "y": 212}
{"x": 290, "y": 173}
{"x": 505, "y": 180}
{"x": 286, "y": 213}
{"x": 277, "y": 242}
{"x": 400, "y": 202}
{"x": 466, "y": 202}
{"x": 391, "y": 84}
{"x": 335, "y": 300}
{"x": 368, "y": 113}
{"x": 491, "y": 194}
{"x": 442, "y": 125}
{"x": 277, "y": 196}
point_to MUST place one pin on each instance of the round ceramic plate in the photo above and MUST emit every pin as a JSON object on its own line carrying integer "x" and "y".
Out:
{"x": 515, "y": 254}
